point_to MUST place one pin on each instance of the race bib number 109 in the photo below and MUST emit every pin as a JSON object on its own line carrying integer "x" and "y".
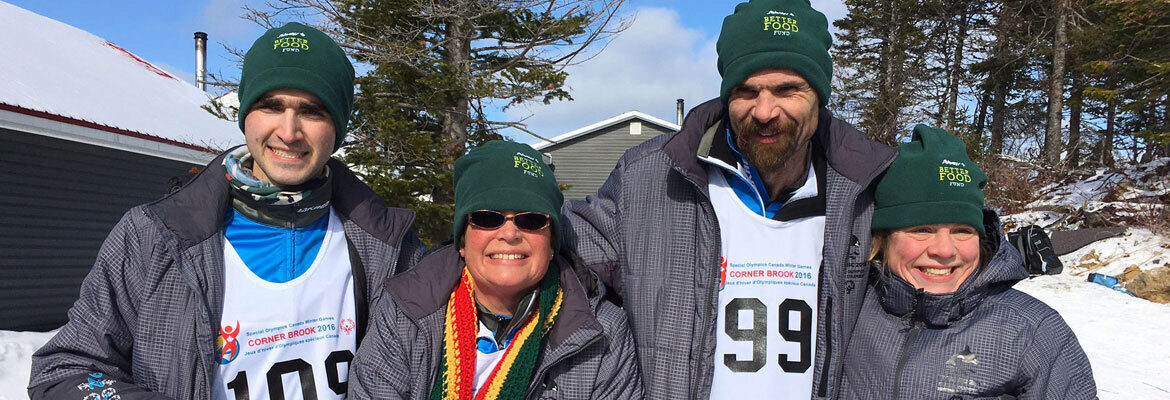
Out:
{"x": 304, "y": 374}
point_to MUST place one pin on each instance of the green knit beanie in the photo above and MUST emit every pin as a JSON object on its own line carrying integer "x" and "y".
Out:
{"x": 931, "y": 182}
{"x": 764, "y": 34}
{"x": 296, "y": 56}
{"x": 502, "y": 175}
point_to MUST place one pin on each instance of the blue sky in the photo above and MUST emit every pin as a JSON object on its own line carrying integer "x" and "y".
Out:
{"x": 667, "y": 53}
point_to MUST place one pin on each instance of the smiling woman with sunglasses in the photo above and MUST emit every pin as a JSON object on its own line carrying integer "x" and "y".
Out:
{"x": 499, "y": 314}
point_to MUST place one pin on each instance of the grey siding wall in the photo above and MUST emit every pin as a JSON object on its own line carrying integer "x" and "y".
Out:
{"x": 585, "y": 162}
{"x": 58, "y": 200}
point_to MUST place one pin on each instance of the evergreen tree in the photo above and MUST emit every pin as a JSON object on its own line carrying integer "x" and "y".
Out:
{"x": 1132, "y": 70}
{"x": 879, "y": 52}
{"x": 1002, "y": 73}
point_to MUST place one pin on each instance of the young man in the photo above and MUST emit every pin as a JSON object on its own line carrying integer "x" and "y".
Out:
{"x": 254, "y": 279}
{"x": 738, "y": 244}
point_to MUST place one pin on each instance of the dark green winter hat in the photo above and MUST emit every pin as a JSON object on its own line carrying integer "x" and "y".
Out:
{"x": 764, "y": 34}
{"x": 931, "y": 182}
{"x": 502, "y": 175}
{"x": 296, "y": 56}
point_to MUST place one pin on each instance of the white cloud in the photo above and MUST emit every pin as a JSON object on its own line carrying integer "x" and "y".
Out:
{"x": 221, "y": 18}
{"x": 647, "y": 67}
{"x": 833, "y": 10}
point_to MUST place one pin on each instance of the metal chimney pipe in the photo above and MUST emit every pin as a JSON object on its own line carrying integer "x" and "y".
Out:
{"x": 679, "y": 118}
{"x": 201, "y": 60}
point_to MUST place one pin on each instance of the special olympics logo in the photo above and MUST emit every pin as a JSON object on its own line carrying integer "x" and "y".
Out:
{"x": 226, "y": 343}
{"x": 722, "y": 273}
{"x": 347, "y": 325}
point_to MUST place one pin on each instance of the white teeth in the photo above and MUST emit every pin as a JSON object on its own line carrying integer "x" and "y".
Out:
{"x": 508, "y": 256}
{"x": 936, "y": 271}
{"x": 283, "y": 153}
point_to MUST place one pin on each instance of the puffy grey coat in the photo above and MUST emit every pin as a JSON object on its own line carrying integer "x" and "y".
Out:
{"x": 984, "y": 341}
{"x": 651, "y": 233}
{"x": 149, "y": 313}
{"x": 589, "y": 353}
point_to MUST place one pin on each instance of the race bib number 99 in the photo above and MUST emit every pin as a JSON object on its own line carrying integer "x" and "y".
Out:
{"x": 794, "y": 322}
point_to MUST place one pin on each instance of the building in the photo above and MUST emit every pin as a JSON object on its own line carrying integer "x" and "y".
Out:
{"x": 582, "y": 159}
{"x": 87, "y": 130}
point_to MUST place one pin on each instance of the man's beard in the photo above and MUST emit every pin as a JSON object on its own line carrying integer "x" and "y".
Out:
{"x": 766, "y": 156}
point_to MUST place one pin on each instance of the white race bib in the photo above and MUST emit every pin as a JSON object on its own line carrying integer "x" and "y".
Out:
{"x": 766, "y": 329}
{"x": 291, "y": 340}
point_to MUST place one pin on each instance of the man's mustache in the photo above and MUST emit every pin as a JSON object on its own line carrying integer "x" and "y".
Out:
{"x": 782, "y": 126}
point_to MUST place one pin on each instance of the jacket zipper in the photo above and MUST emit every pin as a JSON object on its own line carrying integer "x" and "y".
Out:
{"x": 710, "y": 210}
{"x": 828, "y": 347}
{"x": 915, "y": 328}
{"x": 539, "y": 378}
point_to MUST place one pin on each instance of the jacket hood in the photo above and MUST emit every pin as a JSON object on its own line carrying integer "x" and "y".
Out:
{"x": 1000, "y": 272}
{"x": 848, "y": 151}
{"x": 196, "y": 212}
{"x": 426, "y": 288}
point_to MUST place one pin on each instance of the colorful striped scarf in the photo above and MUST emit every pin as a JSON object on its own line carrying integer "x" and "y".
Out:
{"x": 512, "y": 375}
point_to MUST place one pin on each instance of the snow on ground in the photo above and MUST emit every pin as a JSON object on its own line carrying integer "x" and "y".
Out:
{"x": 1137, "y": 247}
{"x": 1040, "y": 218}
{"x": 1124, "y": 336}
{"x": 1142, "y": 181}
{"x": 16, "y": 349}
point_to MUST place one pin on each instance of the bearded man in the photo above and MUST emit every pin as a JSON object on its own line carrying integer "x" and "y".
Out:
{"x": 738, "y": 245}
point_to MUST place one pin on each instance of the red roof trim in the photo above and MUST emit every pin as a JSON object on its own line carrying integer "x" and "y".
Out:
{"x": 145, "y": 64}
{"x": 100, "y": 127}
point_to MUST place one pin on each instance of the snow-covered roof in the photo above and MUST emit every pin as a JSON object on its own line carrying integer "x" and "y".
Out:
{"x": 605, "y": 124}
{"x": 62, "y": 81}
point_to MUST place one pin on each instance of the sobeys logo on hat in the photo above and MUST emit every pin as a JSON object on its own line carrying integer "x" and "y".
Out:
{"x": 291, "y": 42}
{"x": 954, "y": 173}
{"x": 781, "y": 23}
{"x": 529, "y": 165}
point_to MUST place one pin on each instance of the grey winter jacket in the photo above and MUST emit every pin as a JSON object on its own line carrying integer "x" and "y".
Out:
{"x": 149, "y": 313}
{"x": 984, "y": 341}
{"x": 589, "y": 353}
{"x": 651, "y": 233}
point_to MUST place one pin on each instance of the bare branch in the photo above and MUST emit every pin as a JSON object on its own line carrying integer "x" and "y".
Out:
{"x": 520, "y": 126}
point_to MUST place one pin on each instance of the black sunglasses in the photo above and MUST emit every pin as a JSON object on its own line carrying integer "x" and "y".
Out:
{"x": 488, "y": 219}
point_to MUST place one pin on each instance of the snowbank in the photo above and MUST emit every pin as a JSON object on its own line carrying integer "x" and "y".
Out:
{"x": 16, "y": 349}
{"x": 1132, "y": 184}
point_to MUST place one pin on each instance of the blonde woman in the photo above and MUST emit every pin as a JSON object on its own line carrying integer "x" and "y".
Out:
{"x": 940, "y": 319}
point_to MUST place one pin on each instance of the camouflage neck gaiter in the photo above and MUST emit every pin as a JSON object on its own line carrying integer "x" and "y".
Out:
{"x": 289, "y": 207}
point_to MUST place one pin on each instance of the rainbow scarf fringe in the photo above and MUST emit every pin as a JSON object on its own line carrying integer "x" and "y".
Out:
{"x": 512, "y": 375}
